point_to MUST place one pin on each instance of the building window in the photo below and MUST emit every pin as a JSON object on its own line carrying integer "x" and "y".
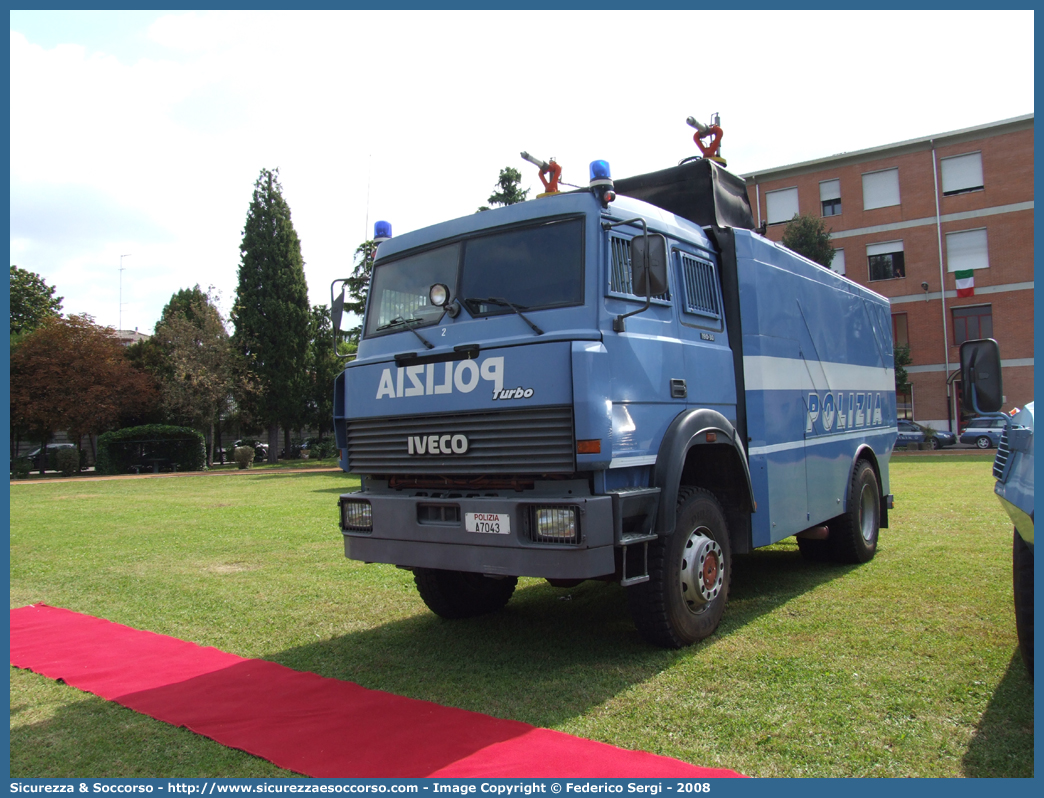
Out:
{"x": 971, "y": 323}
{"x": 830, "y": 197}
{"x": 838, "y": 263}
{"x": 967, "y": 249}
{"x": 904, "y": 404}
{"x": 961, "y": 173}
{"x": 880, "y": 189}
{"x": 900, "y": 333}
{"x": 782, "y": 205}
{"x": 887, "y": 261}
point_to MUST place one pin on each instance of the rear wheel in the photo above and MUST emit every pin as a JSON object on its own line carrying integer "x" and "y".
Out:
{"x": 458, "y": 594}
{"x": 983, "y": 442}
{"x": 689, "y": 575}
{"x": 853, "y": 535}
{"x": 1022, "y": 582}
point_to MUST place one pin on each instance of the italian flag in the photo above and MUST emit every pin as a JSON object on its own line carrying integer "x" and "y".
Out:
{"x": 965, "y": 282}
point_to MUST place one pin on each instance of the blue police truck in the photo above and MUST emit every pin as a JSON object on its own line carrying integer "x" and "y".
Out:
{"x": 625, "y": 383}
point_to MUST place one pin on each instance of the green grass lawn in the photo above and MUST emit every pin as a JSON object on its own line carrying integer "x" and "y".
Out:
{"x": 905, "y": 666}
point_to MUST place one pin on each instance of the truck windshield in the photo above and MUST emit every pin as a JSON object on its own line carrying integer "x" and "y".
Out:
{"x": 527, "y": 268}
{"x": 530, "y": 268}
{"x": 400, "y": 289}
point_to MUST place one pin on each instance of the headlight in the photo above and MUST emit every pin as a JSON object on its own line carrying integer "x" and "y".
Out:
{"x": 555, "y": 525}
{"x": 439, "y": 295}
{"x": 356, "y": 515}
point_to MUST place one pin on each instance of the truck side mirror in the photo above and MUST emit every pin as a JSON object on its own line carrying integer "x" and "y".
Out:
{"x": 983, "y": 390}
{"x": 651, "y": 250}
{"x": 337, "y": 308}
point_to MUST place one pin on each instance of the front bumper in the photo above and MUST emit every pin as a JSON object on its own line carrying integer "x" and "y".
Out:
{"x": 404, "y": 533}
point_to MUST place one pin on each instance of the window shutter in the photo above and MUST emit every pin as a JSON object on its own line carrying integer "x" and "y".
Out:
{"x": 782, "y": 205}
{"x": 885, "y": 248}
{"x": 967, "y": 249}
{"x": 880, "y": 189}
{"x": 838, "y": 263}
{"x": 962, "y": 173}
{"x": 829, "y": 190}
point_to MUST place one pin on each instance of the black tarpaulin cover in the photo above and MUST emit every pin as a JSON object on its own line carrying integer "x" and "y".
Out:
{"x": 700, "y": 191}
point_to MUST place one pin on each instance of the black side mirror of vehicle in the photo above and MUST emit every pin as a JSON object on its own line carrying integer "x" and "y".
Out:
{"x": 983, "y": 389}
{"x": 336, "y": 305}
{"x": 649, "y": 264}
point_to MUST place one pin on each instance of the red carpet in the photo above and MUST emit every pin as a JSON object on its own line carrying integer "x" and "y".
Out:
{"x": 302, "y": 722}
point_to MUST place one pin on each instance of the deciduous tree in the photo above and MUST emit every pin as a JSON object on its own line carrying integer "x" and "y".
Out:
{"x": 809, "y": 236}
{"x": 32, "y": 301}
{"x": 271, "y": 310}
{"x": 357, "y": 287}
{"x": 508, "y": 190}
{"x": 195, "y": 370}
{"x": 323, "y": 367}
{"x": 70, "y": 374}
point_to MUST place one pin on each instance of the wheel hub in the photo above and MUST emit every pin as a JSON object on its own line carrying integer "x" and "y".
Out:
{"x": 867, "y": 513}
{"x": 702, "y": 574}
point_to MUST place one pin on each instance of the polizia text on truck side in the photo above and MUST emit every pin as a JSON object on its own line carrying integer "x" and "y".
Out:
{"x": 623, "y": 383}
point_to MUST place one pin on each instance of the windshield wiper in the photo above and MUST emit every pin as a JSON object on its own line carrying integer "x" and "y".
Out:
{"x": 493, "y": 300}
{"x": 408, "y": 323}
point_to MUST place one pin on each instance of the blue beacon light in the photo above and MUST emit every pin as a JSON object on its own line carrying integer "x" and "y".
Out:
{"x": 602, "y": 182}
{"x": 382, "y": 231}
{"x": 600, "y": 174}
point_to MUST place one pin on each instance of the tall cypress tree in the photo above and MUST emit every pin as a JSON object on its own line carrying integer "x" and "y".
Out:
{"x": 271, "y": 311}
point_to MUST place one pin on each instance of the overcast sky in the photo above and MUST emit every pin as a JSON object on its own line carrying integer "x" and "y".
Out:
{"x": 142, "y": 133}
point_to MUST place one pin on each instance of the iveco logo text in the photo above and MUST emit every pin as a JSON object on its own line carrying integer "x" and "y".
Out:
{"x": 437, "y": 444}
{"x": 439, "y": 378}
{"x": 861, "y": 410}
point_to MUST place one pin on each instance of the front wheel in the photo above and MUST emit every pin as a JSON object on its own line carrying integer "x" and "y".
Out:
{"x": 936, "y": 444}
{"x": 983, "y": 442}
{"x": 459, "y": 594}
{"x": 853, "y": 535}
{"x": 689, "y": 575}
{"x": 1022, "y": 582}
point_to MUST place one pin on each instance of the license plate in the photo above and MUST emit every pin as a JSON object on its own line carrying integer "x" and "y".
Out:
{"x": 488, "y": 523}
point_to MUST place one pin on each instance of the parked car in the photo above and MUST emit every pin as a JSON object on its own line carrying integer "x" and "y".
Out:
{"x": 985, "y": 433}
{"x": 912, "y": 432}
{"x": 260, "y": 449}
{"x": 32, "y": 458}
{"x": 52, "y": 450}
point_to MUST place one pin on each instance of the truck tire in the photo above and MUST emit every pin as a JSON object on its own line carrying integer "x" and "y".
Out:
{"x": 689, "y": 575}
{"x": 1022, "y": 582}
{"x": 853, "y": 535}
{"x": 459, "y": 594}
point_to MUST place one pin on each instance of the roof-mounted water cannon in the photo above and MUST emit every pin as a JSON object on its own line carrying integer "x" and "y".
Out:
{"x": 552, "y": 170}
{"x": 602, "y": 183}
{"x": 712, "y": 149}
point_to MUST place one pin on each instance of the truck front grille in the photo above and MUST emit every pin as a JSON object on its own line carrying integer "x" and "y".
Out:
{"x": 530, "y": 441}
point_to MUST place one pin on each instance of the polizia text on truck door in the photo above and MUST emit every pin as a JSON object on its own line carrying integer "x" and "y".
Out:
{"x": 623, "y": 383}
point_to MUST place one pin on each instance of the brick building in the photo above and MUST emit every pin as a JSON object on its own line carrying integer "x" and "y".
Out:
{"x": 907, "y": 220}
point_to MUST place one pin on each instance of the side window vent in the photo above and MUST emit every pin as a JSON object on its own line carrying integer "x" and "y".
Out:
{"x": 701, "y": 289}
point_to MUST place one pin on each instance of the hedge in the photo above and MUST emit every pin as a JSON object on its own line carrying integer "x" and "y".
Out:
{"x": 125, "y": 450}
